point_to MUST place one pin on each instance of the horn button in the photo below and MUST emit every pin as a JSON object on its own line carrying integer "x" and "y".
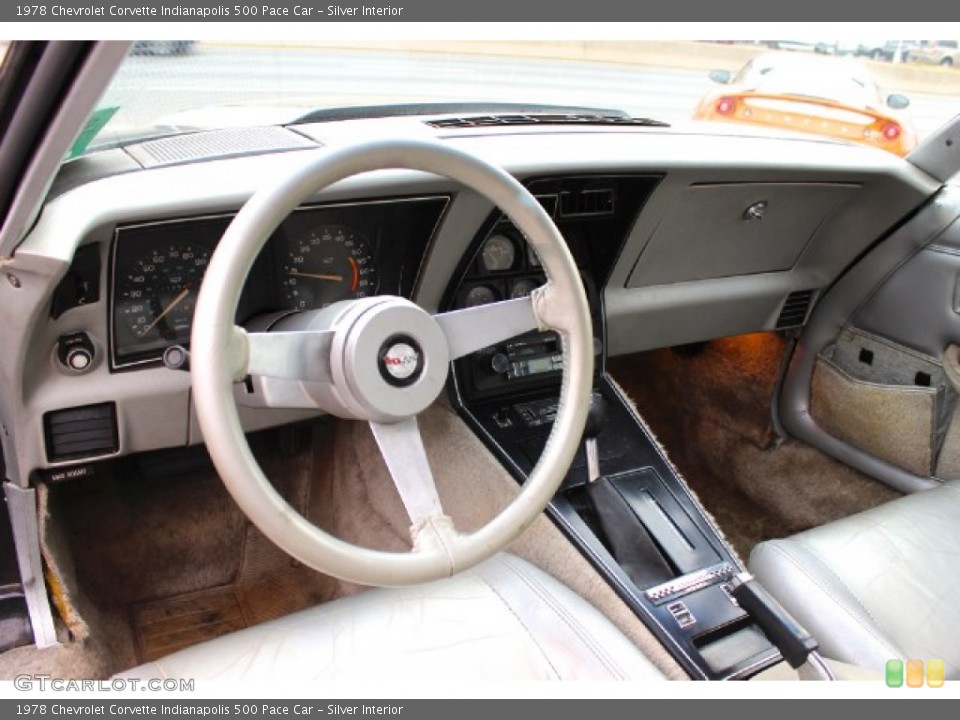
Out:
{"x": 401, "y": 360}
{"x": 389, "y": 359}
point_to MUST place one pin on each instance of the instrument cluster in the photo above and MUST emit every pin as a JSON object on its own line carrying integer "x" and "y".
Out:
{"x": 319, "y": 255}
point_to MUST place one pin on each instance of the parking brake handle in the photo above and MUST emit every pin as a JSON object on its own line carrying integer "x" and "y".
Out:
{"x": 798, "y": 647}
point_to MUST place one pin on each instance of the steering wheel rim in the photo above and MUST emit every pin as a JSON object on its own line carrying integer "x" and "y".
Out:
{"x": 221, "y": 353}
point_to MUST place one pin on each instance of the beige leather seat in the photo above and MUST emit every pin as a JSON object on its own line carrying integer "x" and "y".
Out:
{"x": 878, "y": 585}
{"x": 504, "y": 620}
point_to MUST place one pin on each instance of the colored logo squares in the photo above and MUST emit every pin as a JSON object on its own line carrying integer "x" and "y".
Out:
{"x": 935, "y": 673}
{"x": 913, "y": 672}
{"x": 894, "y": 673}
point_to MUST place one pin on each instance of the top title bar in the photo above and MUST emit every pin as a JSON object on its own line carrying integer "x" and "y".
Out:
{"x": 72, "y": 11}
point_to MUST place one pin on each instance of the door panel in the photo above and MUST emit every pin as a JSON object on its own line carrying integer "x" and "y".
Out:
{"x": 867, "y": 383}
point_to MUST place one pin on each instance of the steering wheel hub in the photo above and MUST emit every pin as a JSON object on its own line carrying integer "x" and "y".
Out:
{"x": 389, "y": 359}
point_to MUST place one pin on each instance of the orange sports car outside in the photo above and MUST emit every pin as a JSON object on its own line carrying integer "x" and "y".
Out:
{"x": 832, "y": 97}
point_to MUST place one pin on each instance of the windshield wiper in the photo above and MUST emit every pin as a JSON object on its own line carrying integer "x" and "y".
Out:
{"x": 475, "y": 121}
{"x": 510, "y": 114}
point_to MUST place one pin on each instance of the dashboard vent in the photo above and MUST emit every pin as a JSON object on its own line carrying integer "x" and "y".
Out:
{"x": 231, "y": 142}
{"x": 795, "y": 309}
{"x": 80, "y": 432}
{"x": 584, "y": 203}
{"x": 478, "y": 121}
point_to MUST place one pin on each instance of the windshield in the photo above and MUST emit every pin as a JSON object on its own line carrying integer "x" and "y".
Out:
{"x": 167, "y": 87}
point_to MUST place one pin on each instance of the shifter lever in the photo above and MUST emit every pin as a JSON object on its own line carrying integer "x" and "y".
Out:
{"x": 626, "y": 537}
{"x": 596, "y": 416}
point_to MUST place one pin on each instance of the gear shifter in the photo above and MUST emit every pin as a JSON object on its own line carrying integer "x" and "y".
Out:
{"x": 625, "y": 536}
{"x": 596, "y": 416}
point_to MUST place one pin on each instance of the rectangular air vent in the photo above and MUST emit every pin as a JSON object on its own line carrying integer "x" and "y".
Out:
{"x": 795, "y": 309}
{"x": 586, "y": 203}
{"x": 80, "y": 432}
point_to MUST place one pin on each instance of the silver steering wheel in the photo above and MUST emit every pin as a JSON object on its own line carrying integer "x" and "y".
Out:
{"x": 382, "y": 360}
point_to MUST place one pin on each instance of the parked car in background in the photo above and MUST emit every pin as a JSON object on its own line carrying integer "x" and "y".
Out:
{"x": 889, "y": 50}
{"x": 838, "y": 47}
{"x": 936, "y": 52}
{"x": 825, "y": 96}
{"x": 796, "y": 45}
{"x": 162, "y": 47}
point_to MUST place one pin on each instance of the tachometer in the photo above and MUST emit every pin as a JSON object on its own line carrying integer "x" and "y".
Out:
{"x": 156, "y": 292}
{"x": 327, "y": 264}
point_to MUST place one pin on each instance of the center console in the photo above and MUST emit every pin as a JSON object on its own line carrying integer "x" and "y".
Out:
{"x": 660, "y": 552}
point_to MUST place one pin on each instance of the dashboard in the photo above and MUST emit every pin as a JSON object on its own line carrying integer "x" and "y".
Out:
{"x": 655, "y": 221}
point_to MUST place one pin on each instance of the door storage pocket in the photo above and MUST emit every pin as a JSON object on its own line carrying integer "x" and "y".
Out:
{"x": 886, "y": 400}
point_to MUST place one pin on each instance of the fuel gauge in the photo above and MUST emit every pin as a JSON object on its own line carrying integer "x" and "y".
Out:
{"x": 479, "y": 295}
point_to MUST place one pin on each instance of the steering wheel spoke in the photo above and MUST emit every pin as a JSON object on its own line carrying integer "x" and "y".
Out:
{"x": 298, "y": 355}
{"x": 475, "y": 328}
{"x": 402, "y": 448}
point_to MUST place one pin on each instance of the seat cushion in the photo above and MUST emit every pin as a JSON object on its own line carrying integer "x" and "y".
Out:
{"x": 882, "y": 584}
{"x": 504, "y": 620}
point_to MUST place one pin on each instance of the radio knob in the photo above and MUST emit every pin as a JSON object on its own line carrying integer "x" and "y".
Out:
{"x": 500, "y": 363}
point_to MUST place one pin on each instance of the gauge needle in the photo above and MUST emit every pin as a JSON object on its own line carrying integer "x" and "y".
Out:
{"x": 176, "y": 301}
{"x": 318, "y": 276}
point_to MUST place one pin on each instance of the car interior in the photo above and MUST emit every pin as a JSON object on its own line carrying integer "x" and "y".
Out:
{"x": 472, "y": 393}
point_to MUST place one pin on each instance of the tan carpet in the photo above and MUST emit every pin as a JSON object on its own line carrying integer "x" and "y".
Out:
{"x": 711, "y": 410}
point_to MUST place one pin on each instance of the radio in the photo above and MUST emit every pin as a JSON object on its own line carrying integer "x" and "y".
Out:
{"x": 526, "y": 356}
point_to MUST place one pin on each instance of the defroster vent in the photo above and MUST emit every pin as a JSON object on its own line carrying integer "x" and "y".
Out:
{"x": 795, "y": 308}
{"x": 210, "y": 144}
{"x": 80, "y": 432}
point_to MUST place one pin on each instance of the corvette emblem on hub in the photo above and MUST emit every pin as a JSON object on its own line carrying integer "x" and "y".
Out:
{"x": 401, "y": 361}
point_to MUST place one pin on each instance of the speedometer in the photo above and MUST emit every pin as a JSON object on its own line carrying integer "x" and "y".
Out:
{"x": 155, "y": 295}
{"x": 327, "y": 264}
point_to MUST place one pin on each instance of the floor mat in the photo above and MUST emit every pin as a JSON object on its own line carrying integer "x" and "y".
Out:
{"x": 165, "y": 626}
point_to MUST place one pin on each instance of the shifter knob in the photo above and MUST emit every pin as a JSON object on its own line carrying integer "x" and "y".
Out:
{"x": 595, "y": 419}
